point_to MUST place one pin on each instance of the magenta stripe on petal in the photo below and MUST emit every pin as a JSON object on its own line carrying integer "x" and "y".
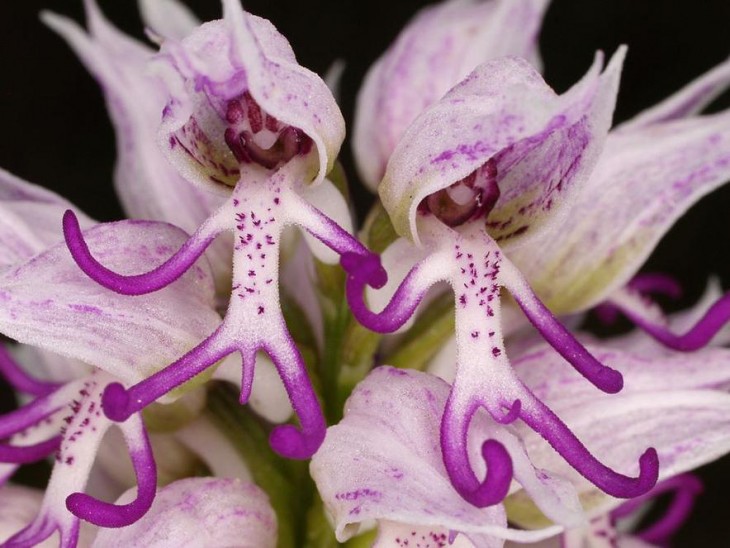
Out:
{"x": 138, "y": 284}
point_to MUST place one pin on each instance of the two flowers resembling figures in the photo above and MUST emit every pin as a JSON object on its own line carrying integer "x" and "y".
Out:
{"x": 424, "y": 382}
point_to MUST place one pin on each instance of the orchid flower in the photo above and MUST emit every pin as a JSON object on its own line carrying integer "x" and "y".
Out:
{"x": 45, "y": 299}
{"x": 366, "y": 473}
{"x": 488, "y": 167}
{"x": 437, "y": 49}
{"x": 242, "y": 119}
{"x": 200, "y": 512}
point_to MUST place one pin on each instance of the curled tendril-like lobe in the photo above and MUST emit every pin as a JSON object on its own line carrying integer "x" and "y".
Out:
{"x": 138, "y": 284}
{"x": 494, "y": 487}
{"x": 106, "y": 514}
{"x": 477, "y": 270}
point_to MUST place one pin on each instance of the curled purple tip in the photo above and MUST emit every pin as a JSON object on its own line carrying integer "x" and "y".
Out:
{"x": 454, "y": 435}
{"x": 115, "y": 402}
{"x": 291, "y": 443}
{"x": 22, "y": 454}
{"x": 543, "y": 421}
{"x": 365, "y": 269}
{"x": 495, "y": 486}
{"x": 105, "y": 514}
{"x": 512, "y": 414}
{"x": 138, "y": 284}
{"x": 686, "y": 488}
{"x": 656, "y": 283}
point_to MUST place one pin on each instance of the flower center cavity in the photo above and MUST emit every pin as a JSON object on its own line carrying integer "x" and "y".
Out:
{"x": 469, "y": 198}
{"x": 257, "y": 137}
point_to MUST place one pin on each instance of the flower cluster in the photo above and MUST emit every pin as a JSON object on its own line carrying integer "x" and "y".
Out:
{"x": 431, "y": 367}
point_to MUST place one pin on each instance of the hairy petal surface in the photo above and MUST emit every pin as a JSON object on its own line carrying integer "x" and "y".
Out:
{"x": 49, "y": 302}
{"x": 539, "y": 145}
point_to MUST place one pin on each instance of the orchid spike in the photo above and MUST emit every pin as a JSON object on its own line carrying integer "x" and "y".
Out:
{"x": 268, "y": 151}
{"x": 492, "y": 177}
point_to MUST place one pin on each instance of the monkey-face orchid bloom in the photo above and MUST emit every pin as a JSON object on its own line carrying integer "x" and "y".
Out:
{"x": 45, "y": 300}
{"x": 675, "y": 402}
{"x": 435, "y": 51}
{"x": 243, "y": 119}
{"x": 492, "y": 165}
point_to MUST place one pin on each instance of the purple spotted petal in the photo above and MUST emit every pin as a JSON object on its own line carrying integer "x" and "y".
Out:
{"x": 436, "y": 50}
{"x": 372, "y": 465}
{"x": 47, "y": 299}
{"x": 540, "y": 145}
{"x": 200, "y": 512}
{"x": 148, "y": 186}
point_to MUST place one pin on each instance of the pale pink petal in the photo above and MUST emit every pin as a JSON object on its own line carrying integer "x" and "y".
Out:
{"x": 30, "y": 219}
{"x": 540, "y": 146}
{"x": 645, "y": 180}
{"x": 383, "y": 462}
{"x": 200, "y": 512}
{"x": 49, "y": 302}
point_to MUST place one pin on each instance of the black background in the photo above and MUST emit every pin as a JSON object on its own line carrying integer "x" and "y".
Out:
{"x": 55, "y": 132}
